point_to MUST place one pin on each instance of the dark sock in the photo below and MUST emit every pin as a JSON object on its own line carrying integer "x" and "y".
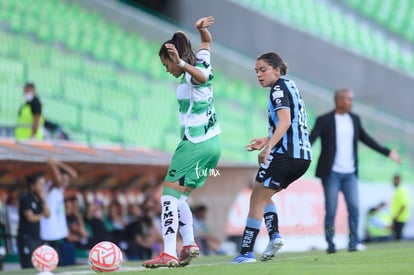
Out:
{"x": 249, "y": 238}
{"x": 271, "y": 222}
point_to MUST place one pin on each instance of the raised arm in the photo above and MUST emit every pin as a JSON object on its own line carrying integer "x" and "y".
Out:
{"x": 202, "y": 24}
{"x": 56, "y": 166}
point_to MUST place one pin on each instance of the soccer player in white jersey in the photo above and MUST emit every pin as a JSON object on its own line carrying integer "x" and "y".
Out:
{"x": 285, "y": 154}
{"x": 199, "y": 147}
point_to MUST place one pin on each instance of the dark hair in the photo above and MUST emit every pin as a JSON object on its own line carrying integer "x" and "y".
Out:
{"x": 29, "y": 85}
{"x": 200, "y": 208}
{"x": 274, "y": 60}
{"x": 33, "y": 178}
{"x": 63, "y": 172}
{"x": 183, "y": 46}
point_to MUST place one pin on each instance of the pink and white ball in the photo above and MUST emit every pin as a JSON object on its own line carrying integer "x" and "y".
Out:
{"x": 45, "y": 258}
{"x": 105, "y": 257}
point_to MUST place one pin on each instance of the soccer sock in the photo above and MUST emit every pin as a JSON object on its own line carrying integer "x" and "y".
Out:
{"x": 169, "y": 223}
{"x": 271, "y": 219}
{"x": 249, "y": 235}
{"x": 186, "y": 221}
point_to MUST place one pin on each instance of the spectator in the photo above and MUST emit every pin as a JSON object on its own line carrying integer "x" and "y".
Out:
{"x": 400, "y": 208}
{"x": 12, "y": 220}
{"x": 30, "y": 119}
{"x": 340, "y": 130}
{"x": 95, "y": 219}
{"x": 53, "y": 229}
{"x": 77, "y": 236}
{"x": 378, "y": 224}
{"x": 117, "y": 222}
{"x": 208, "y": 244}
{"x": 32, "y": 208}
{"x": 77, "y": 232}
{"x": 145, "y": 238}
{"x": 54, "y": 131}
{"x": 3, "y": 233}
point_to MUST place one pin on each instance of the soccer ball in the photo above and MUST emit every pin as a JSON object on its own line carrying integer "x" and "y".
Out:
{"x": 45, "y": 258}
{"x": 105, "y": 257}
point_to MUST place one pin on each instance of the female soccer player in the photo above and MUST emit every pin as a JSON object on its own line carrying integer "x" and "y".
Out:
{"x": 285, "y": 154}
{"x": 199, "y": 148}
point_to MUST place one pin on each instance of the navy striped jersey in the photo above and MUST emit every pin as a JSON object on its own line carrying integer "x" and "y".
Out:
{"x": 295, "y": 143}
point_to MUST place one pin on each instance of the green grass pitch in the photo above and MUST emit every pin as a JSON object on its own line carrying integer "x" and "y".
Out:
{"x": 382, "y": 258}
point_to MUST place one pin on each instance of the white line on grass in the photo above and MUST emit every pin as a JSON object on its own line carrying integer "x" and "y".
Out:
{"x": 141, "y": 268}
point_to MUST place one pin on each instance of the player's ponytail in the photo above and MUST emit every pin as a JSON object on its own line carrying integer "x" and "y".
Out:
{"x": 183, "y": 45}
{"x": 283, "y": 68}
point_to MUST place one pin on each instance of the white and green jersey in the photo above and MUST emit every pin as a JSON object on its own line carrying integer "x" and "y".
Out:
{"x": 198, "y": 119}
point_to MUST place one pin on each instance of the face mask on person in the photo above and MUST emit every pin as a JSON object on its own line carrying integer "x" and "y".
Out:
{"x": 28, "y": 96}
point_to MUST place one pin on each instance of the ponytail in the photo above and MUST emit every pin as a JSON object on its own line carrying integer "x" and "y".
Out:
{"x": 183, "y": 45}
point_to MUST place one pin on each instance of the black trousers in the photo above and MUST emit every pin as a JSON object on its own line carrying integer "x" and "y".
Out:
{"x": 397, "y": 229}
{"x": 26, "y": 245}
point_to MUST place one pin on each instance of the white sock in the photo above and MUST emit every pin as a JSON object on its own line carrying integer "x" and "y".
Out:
{"x": 169, "y": 223}
{"x": 186, "y": 221}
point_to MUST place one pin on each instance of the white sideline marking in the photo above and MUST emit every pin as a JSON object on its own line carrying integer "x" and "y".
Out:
{"x": 141, "y": 268}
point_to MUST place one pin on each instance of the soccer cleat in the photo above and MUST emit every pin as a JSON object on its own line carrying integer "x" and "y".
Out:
{"x": 188, "y": 252}
{"x": 331, "y": 250}
{"x": 358, "y": 247}
{"x": 274, "y": 245}
{"x": 244, "y": 258}
{"x": 164, "y": 260}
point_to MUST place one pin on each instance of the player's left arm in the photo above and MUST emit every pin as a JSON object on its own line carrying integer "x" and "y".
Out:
{"x": 202, "y": 25}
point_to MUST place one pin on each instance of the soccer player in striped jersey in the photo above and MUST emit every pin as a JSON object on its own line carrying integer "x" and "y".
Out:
{"x": 284, "y": 157}
{"x": 199, "y": 149}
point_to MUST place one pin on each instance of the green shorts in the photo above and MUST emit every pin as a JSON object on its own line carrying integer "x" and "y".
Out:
{"x": 192, "y": 163}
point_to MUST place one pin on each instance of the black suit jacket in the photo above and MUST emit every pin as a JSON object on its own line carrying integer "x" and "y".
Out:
{"x": 325, "y": 129}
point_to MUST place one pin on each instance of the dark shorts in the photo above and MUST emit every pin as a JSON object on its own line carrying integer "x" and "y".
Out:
{"x": 281, "y": 171}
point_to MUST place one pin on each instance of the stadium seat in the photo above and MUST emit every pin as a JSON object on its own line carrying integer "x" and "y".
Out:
{"x": 81, "y": 91}
{"x": 64, "y": 113}
{"x": 47, "y": 81}
{"x": 397, "y": 16}
{"x": 11, "y": 100}
{"x": 326, "y": 20}
{"x": 104, "y": 84}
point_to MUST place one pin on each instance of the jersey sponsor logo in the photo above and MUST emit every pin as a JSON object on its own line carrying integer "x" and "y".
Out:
{"x": 168, "y": 218}
{"x": 211, "y": 121}
{"x": 172, "y": 172}
{"x": 248, "y": 238}
{"x": 277, "y": 94}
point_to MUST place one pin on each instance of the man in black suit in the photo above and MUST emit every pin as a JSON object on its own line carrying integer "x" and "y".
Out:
{"x": 340, "y": 130}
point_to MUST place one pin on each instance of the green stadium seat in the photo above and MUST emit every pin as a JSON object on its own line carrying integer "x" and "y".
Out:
{"x": 118, "y": 102}
{"x": 397, "y": 16}
{"x": 48, "y": 81}
{"x": 59, "y": 111}
{"x": 327, "y": 21}
{"x": 103, "y": 84}
{"x": 11, "y": 71}
{"x": 140, "y": 132}
{"x": 81, "y": 91}
{"x": 99, "y": 124}
{"x": 11, "y": 100}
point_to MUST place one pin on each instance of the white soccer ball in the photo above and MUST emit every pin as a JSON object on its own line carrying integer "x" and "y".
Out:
{"x": 105, "y": 257}
{"x": 45, "y": 258}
